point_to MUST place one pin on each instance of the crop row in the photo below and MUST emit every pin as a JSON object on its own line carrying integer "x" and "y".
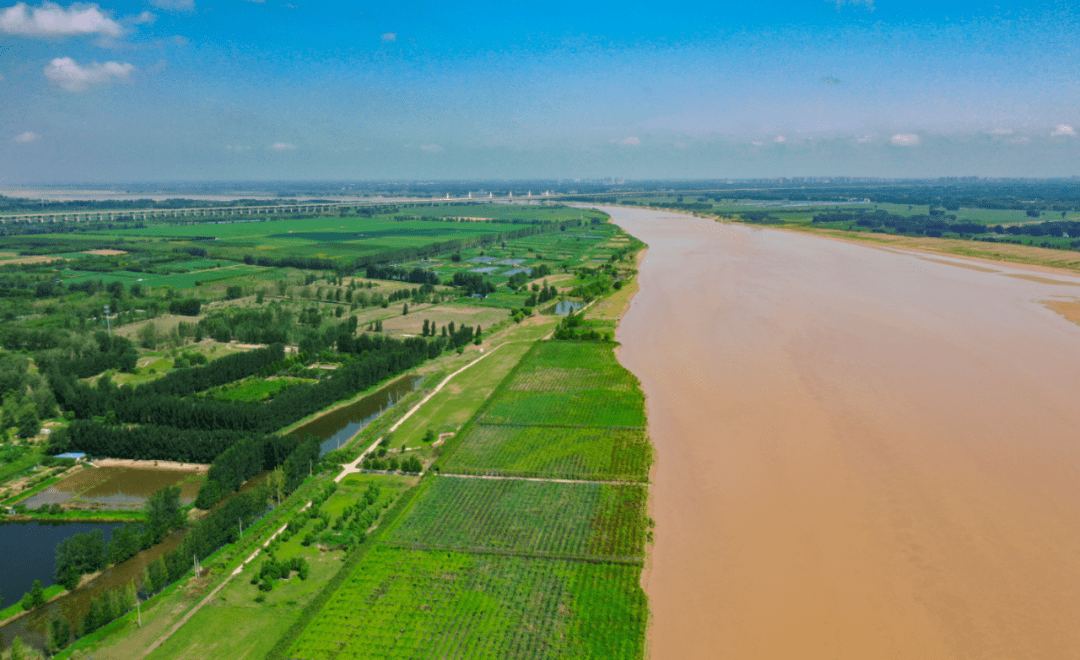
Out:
{"x": 565, "y": 453}
{"x": 598, "y": 407}
{"x": 416, "y": 604}
{"x": 569, "y": 366}
{"x": 526, "y": 516}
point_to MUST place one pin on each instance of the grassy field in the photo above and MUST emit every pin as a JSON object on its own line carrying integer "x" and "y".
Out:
{"x": 254, "y": 389}
{"x": 457, "y": 313}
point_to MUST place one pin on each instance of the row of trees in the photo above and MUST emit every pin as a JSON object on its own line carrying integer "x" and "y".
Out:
{"x": 290, "y": 460}
{"x": 82, "y": 554}
{"x": 168, "y": 424}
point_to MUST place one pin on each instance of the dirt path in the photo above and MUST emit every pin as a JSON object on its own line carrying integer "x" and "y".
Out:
{"x": 493, "y": 477}
{"x": 354, "y": 467}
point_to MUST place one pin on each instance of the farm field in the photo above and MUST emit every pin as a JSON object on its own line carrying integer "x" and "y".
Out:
{"x": 569, "y": 410}
{"x": 417, "y": 604}
{"x": 440, "y": 315}
{"x": 564, "y": 453}
{"x": 449, "y": 409}
{"x": 180, "y": 291}
{"x": 528, "y": 518}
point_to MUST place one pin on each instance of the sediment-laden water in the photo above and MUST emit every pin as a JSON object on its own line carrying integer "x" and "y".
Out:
{"x": 862, "y": 453}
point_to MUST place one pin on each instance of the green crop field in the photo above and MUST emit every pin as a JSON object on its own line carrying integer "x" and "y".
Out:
{"x": 566, "y": 453}
{"x": 569, "y": 410}
{"x": 415, "y": 604}
{"x": 565, "y": 366}
{"x": 599, "y": 407}
{"x": 566, "y": 520}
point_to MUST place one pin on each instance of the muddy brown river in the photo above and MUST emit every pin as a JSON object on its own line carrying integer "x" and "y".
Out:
{"x": 862, "y": 453}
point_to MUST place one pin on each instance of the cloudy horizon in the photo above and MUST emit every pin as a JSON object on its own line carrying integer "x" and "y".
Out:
{"x": 194, "y": 90}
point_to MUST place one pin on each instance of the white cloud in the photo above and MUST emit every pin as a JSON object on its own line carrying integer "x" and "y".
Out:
{"x": 630, "y": 141}
{"x": 282, "y": 146}
{"x": 65, "y": 72}
{"x": 863, "y": 139}
{"x": 389, "y": 36}
{"x": 52, "y": 20}
{"x": 145, "y": 17}
{"x": 27, "y": 137}
{"x": 174, "y": 5}
{"x": 431, "y": 148}
{"x": 780, "y": 139}
{"x": 1063, "y": 130}
{"x": 1000, "y": 131}
{"x": 906, "y": 140}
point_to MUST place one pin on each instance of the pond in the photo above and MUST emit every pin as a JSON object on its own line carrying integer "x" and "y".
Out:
{"x": 115, "y": 488}
{"x": 28, "y": 551}
{"x": 337, "y": 427}
{"x": 564, "y": 307}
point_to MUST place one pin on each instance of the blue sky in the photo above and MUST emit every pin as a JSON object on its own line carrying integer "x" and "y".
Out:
{"x": 191, "y": 90}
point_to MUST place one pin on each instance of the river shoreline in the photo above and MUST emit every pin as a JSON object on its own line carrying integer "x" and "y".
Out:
{"x": 848, "y": 443}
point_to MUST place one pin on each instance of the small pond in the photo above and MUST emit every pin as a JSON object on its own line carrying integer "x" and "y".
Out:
{"x": 564, "y": 307}
{"x": 115, "y": 488}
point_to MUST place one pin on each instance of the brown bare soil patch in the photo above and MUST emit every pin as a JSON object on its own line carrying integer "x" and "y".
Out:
{"x": 105, "y": 253}
{"x": 1069, "y": 309}
{"x": 36, "y": 259}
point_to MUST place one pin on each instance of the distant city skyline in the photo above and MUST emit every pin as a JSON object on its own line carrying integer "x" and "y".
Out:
{"x": 199, "y": 90}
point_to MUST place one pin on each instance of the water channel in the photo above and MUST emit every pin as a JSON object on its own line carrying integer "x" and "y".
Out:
{"x": 27, "y": 550}
{"x": 338, "y": 426}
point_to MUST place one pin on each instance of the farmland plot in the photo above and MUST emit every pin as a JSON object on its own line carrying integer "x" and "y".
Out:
{"x": 600, "y": 407}
{"x": 416, "y": 604}
{"x": 564, "y": 453}
{"x": 529, "y": 518}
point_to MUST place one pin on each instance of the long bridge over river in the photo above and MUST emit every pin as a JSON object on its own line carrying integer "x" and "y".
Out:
{"x": 242, "y": 211}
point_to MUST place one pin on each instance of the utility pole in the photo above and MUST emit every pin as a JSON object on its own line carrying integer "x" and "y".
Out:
{"x": 108, "y": 324}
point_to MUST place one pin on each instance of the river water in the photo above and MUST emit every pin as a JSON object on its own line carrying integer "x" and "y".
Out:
{"x": 862, "y": 453}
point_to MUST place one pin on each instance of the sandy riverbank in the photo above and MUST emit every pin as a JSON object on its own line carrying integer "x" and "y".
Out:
{"x": 861, "y": 453}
